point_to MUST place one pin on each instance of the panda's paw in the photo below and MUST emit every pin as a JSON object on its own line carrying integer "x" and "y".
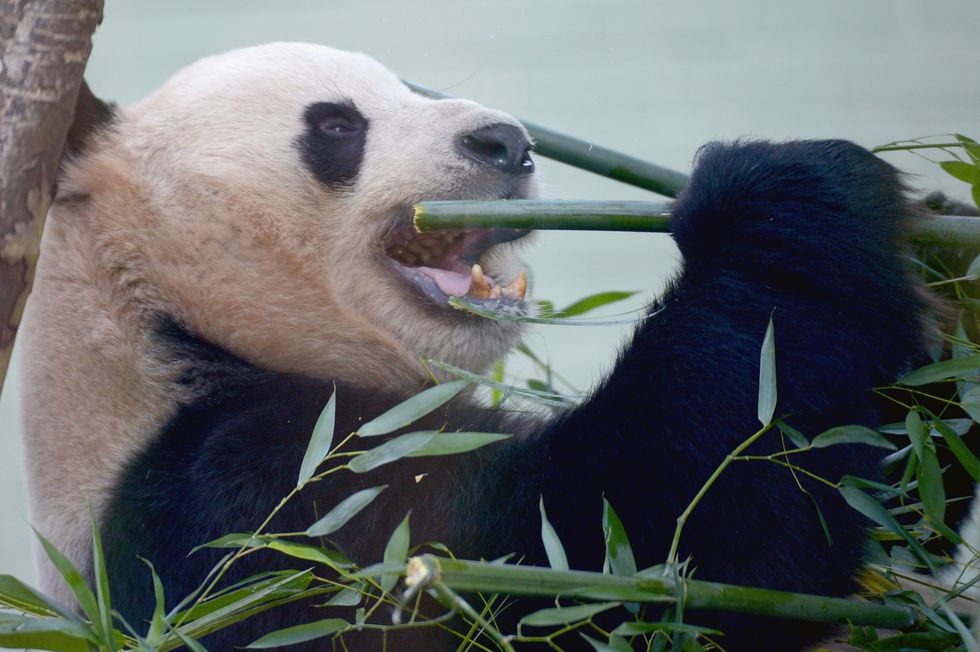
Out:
{"x": 766, "y": 206}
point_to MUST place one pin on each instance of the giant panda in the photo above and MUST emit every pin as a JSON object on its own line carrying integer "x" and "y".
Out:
{"x": 225, "y": 255}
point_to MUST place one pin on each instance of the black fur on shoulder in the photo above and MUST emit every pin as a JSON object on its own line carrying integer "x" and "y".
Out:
{"x": 806, "y": 233}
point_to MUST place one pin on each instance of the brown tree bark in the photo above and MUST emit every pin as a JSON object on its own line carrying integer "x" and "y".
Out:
{"x": 44, "y": 46}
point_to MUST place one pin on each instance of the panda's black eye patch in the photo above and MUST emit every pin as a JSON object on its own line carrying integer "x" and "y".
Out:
{"x": 333, "y": 143}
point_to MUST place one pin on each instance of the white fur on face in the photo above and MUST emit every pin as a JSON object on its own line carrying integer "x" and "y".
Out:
{"x": 223, "y": 136}
{"x": 197, "y": 205}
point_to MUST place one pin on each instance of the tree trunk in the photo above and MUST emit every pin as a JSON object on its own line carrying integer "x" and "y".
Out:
{"x": 44, "y": 45}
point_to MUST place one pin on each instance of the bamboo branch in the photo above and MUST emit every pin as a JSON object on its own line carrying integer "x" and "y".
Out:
{"x": 639, "y": 216}
{"x": 594, "y": 158}
{"x": 485, "y": 577}
{"x": 543, "y": 214}
{"x": 44, "y": 45}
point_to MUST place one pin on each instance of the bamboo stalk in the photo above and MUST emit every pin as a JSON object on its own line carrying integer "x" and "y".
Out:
{"x": 485, "y": 577}
{"x": 594, "y": 158}
{"x": 638, "y": 216}
{"x": 543, "y": 214}
{"x": 948, "y": 231}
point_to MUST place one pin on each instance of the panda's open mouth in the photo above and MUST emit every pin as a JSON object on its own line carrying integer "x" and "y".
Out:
{"x": 446, "y": 264}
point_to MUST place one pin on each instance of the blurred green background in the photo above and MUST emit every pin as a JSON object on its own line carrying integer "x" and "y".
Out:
{"x": 652, "y": 78}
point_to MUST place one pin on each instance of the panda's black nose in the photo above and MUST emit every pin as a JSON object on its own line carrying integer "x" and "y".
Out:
{"x": 500, "y": 145}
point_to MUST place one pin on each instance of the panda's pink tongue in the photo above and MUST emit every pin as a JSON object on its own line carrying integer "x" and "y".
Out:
{"x": 453, "y": 284}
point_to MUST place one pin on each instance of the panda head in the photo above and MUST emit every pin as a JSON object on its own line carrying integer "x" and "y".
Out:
{"x": 263, "y": 198}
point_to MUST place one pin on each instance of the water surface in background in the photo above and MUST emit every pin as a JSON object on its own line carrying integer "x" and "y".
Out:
{"x": 655, "y": 79}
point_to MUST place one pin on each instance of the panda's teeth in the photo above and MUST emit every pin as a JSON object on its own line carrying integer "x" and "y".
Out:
{"x": 480, "y": 287}
{"x": 518, "y": 287}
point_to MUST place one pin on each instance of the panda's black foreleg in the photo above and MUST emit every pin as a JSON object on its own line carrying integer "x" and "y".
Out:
{"x": 808, "y": 234}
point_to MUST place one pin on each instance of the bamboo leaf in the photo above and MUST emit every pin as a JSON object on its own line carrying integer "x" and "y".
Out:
{"x": 331, "y": 558}
{"x": 413, "y": 409}
{"x": 345, "y": 598}
{"x": 189, "y": 642}
{"x": 970, "y": 641}
{"x": 874, "y": 510}
{"x": 73, "y": 578}
{"x": 320, "y": 442}
{"x": 962, "y": 452}
{"x": 347, "y": 509}
{"x": 971, "y": 147}
{"x": 20, "y": 596}
{"x": 794, "y": 435}
{"x": 971, "y": 403}
{"x": 961, "y": 346}
{"x": 932, "y": 493}
{"x": 975, "y": 193}
{"x": 538, "y": 386}
{"x": 916, "y": 431}
{"x": 290, "y": 582}
{"x": 851, "y": 435}
{"x": 566, "y": 615}
{"x": 767, "y": 377}
{"x": 821, "y": 518}
{"x": 390, "y": 451}
{"x": 396, "y": 552}
{"x": 101, "y": 586}
{"x": 591, "y": 302}
{"x": 158, "y": 622}
{"x": 619, "y": 553}
{"x": 239, "y": 609}
{"x": 973, "y": 271}
{"x": 553, "y": 547}
{"x": 234, "y": 540}
{"x": 53, "y": 633}
{"x": 863, "y": 483}
{"x": 962, "y": 171}
{"x": 452, "y": 443}
{"x": 943, "y": 370}
{"x": 959, "y": 426}
{"x": 300, "y": 633}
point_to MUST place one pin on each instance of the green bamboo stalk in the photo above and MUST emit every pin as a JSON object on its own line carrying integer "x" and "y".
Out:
{"x": 543, "y": 214}
{"x": 594, "y": 158}
{"x": 948, "y": 231}
{"x": 639, "y": 216}
{"x": 485, "y": 577}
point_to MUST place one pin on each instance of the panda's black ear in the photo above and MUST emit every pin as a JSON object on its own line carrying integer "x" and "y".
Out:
{"x": 91, "y": 114}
